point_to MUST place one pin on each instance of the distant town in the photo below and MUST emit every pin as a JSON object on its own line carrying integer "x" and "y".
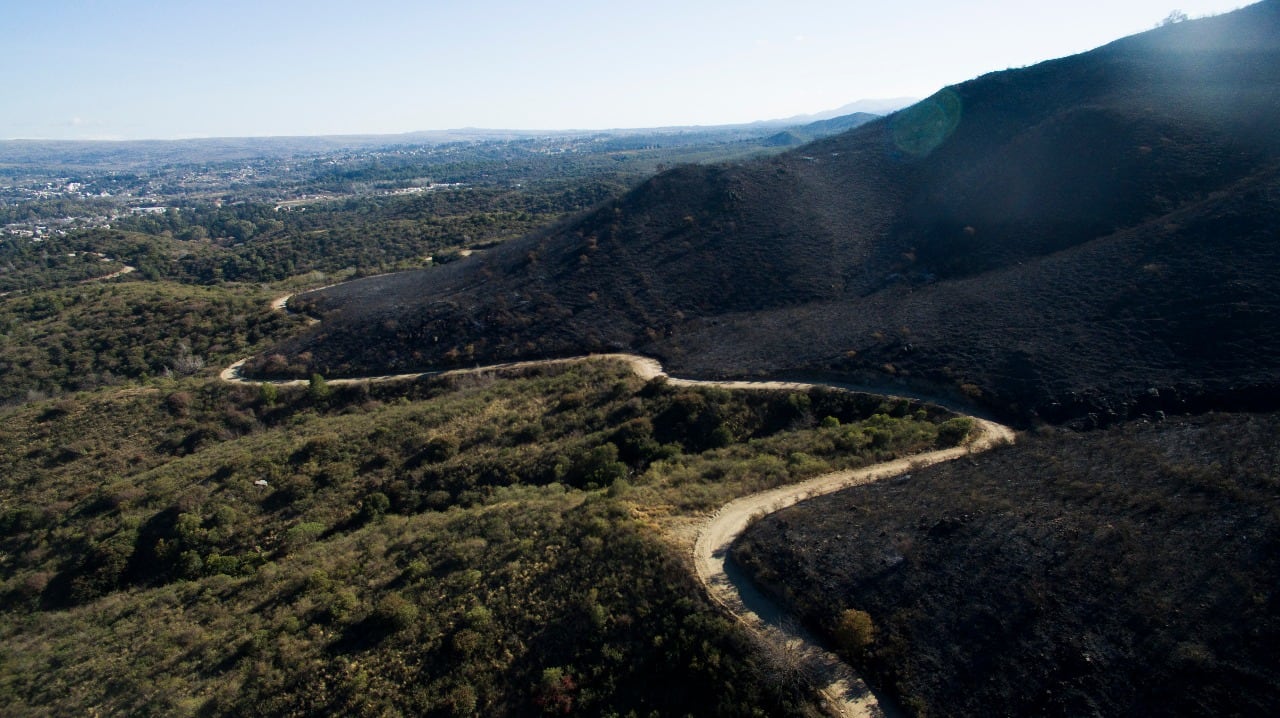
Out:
{"x": 50, "y": 189}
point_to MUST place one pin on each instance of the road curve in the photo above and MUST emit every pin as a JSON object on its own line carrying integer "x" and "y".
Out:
{"x": 843, "y": 692}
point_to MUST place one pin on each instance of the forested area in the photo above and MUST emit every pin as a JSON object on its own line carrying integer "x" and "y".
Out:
{"x": 102, "y": 334}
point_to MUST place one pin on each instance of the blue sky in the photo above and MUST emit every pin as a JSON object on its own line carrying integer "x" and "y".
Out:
{"x": 129, "y": 69}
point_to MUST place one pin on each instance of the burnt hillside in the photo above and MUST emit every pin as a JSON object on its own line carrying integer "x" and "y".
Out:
{"x": 1127, "y": 571}
{"x": 1054, "y": 241}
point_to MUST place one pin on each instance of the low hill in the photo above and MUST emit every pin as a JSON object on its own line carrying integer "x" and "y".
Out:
{"x": 1081, "y": 240}
{"x": 818, "y": 129}
{"x": 1127, "y": 571}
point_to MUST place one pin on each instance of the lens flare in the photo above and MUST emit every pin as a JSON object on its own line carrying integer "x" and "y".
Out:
{"x": 923, "y": 127}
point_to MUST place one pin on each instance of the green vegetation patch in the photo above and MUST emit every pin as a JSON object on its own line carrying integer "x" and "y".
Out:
{"x": 461, "y": 545}
{"x": 28, "y": 265}
{"x": 463, "y": 612}
{"x": 92, "y": 335}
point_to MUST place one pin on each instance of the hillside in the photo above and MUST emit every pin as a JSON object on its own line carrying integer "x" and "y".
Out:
{"x": 819, "y": 128}
{"x": 1014, "y": 239}
{"x": 1126, "y": 571}
{"x": 478, "y": 544}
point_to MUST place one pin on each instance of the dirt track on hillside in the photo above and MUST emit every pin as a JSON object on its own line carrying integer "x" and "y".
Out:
{"x": 843, "y": 691}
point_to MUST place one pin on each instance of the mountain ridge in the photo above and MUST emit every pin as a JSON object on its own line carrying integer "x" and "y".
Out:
{"x": 714, "y": 269}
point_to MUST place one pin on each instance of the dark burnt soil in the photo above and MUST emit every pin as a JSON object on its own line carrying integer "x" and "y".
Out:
{"x": 1127, "y": 571}
{"x": 1082, "y": 241}
{"x": 1179, "y": 315}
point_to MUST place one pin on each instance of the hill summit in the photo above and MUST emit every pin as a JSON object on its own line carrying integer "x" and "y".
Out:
{"x": 1082, "y": 240}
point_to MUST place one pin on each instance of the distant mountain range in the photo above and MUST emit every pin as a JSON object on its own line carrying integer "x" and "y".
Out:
{"x": 1079, "y": 241}
{"x": 130, "y": 153}
{"x": 881, "y": 106}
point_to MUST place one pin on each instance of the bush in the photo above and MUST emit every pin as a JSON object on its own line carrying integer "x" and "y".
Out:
{"x": 318, "y": 388}
{"x": 268, "y": 394}
{"x": 303, "y": 534}
{"x": 855, "y": 632}
{"x": 597, "y": 467}
{"x": 556, "y": 691}
{"x": 217, "y": 563}
{"x": 179, "y": 403}
{"x": 374, "y": 505}
{"x": 439, "y": 448}
{"x": 395, "y": 613}
{"x": 953, "y": 431}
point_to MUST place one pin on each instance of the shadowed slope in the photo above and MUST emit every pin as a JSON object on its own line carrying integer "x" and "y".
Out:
{"x": 1032, "y": 230}
{"x": 1112, "y": 573}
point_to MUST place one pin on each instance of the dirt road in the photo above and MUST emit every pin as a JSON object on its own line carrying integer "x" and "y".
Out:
{"x": 118, "y": 273}
{"x": 843, "y": 692}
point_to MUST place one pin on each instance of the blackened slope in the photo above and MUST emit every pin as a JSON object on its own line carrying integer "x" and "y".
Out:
{"x": 1115, "y": 573}
{"x": 1178, "y": 314}
{"x": 1073, "y": 149}
{"x": 695, "y": 241}
{"x": 989, "y": 196}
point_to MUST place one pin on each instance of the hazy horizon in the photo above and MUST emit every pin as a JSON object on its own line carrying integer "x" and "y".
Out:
{"x": 140, "y": 70}
{"x": 897, "y": 102}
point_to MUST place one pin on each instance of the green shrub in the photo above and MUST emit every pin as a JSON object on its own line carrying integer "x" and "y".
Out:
{"x": 595, "y": 468}
{"x": 954, "y": 431}
{"x": 374, "y": 505}
{"x": 318, "y": 388}
{"x": 303, "y": 534}
{"x": 217, "y": 563}
{"x": 395, "y": 613}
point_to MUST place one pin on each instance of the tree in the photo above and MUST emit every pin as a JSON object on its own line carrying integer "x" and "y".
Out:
{"x": 395, "y": 613}
{"x": 241, "y": 229}
{"x": 318, "y": 389}
{"x": 374, "y": 505}
{"x": 1173, "y": 18}
{"x": 267, "y": 393}
{"x": 595, "y": 468}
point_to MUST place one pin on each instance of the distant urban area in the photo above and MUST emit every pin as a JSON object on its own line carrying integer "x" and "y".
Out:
{"x": 51, "y": 188}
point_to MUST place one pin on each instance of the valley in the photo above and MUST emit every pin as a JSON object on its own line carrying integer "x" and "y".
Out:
{"x": 971, "y": 408}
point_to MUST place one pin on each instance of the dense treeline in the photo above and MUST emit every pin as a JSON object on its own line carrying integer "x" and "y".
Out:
{"x": 56, "y": 208}
{"x": 92, "y": 335}
{"x": 463, "y": 545}
{"x": 26, "y": 265}
{"x": 255, "y": 243}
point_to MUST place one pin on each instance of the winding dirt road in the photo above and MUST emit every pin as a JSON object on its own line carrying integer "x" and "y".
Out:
{"x": 844, "y": 693}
